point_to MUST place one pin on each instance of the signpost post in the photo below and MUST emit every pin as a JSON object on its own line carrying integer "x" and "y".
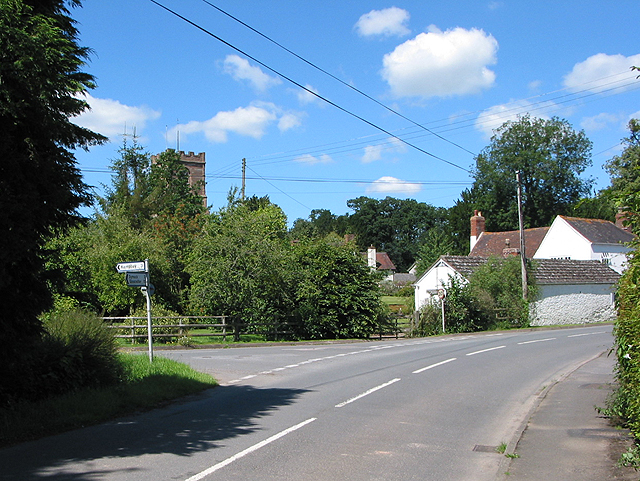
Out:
{"x": 442, "y": 293}
{"x": 137, "y": 275}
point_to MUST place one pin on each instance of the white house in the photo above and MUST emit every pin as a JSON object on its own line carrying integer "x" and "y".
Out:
{"x": 571, "y": 291}
{"x": 586, "y": 239}
{"x": 440, "y": 273}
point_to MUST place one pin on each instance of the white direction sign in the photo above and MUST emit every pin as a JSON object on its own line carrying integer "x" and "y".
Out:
{"x": 130, "y": 267}
{"x": 137, "y": 279}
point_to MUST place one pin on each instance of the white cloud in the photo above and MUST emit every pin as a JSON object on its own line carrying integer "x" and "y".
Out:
{"x": 442, "y": 64}
{"x": 240, "y": 69}
{"x": 374, "y": 152}
{"x": 535, "y": 85}
{"x": 388, "y": 22}
{"x": 389, "y": 184}
{"x": 311, "y": 160}
{"x": 109, "y": 117}
{"x": 289, "y": 121}
{"x": 493, "y": 117}
{"x": 251, "y": 121}
{"x": 601, "y": 72}
{"x": 599, "y": 122}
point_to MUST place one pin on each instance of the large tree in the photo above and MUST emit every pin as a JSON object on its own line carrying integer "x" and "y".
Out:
{"x": 336, "y": 293}
{"x": 551, "y": 156}
{"x": 396, "y": 226}
{"x": 624, "y": 170}
{"x": 241, "y": 265}
{"x": 41, "y": 90}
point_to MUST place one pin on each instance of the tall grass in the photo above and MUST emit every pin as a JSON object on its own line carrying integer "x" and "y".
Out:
{"x": 144, "y": 385}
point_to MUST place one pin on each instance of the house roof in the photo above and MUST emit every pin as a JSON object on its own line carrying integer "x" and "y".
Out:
{"x": 492, "y": 243}
{"x": 567, "y": 271}
{"x": 599, "y": 231}
{"x": 384, "y": 262}
{"x": 465, "y": 265}
{"x": 546, "y": 271}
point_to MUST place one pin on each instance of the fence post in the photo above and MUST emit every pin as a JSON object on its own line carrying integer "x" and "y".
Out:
{"x": 224, "y": 328}
{"x": 236, "y": 329}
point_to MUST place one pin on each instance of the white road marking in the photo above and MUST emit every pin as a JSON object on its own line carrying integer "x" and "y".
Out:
{"x": 485, "y": 350}
{"x": 537, "y": 340}
{"x": 249, "y": 450}
{"x": 366, "y": 393}
{"x": 433, "y": 365}
{"x": 587, "y": 334}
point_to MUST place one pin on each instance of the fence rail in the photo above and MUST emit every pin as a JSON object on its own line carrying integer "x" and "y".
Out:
{"x": 223, "y": 326}
{"x": 192, "y": 326}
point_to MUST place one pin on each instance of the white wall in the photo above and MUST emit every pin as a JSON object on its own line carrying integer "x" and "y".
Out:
{"x": 573, "y": 304}
{"x": 427, "y": 286}
{"x": 563, "y": 242}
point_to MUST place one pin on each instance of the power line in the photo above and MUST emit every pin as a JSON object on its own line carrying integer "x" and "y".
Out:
{"x": 355, "y": 89}
{"x": 297, "y": 84}
{"x": 276, "y": 187}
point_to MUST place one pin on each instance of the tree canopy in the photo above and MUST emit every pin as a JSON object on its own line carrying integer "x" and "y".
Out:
{"x": 624, "y": 170}
{"x": 41, "y": 89}
{"x": 551, "y": 157}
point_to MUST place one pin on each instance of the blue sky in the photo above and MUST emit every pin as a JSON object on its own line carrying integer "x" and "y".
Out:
{"x": 459, "y": 69}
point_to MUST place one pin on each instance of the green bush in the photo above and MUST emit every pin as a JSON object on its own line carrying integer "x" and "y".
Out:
{"x": 76, "y": 351}
{"x": 497, "y": 288}
{"x": 429, "y": 321}
{"x": 625, "y": 403}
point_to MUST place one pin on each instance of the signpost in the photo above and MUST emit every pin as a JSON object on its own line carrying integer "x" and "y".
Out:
{"x": 442, "y": 293}
{"x": 137, "y": 279}
{"x": 124, "y": 267}
{"x": 137, "y": 275}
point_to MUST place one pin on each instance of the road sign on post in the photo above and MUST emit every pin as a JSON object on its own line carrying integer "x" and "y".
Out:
{"x": 123, "y": 267}
{"x": 137, "y": 279}
{"x": 137, "y": 275}
{"x": 442, "y": 294}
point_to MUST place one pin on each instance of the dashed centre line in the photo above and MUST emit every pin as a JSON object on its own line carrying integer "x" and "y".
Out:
{"x": 366, "y": 393}
{"x": 537, "y": 340}
{"x": 587, "y": 334}
{"x": 434, "y": 365}
{"x": 249, "y": 450}
{"x": 485, "y": 350}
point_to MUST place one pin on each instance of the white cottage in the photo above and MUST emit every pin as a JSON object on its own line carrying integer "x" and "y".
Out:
{"x": 586, "y": 239}
{"x": 571, "y": 291}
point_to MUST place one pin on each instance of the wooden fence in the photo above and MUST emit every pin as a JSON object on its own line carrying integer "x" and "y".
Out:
{"x": 178, "y": 327}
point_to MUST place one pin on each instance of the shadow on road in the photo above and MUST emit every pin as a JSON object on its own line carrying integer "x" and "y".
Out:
{"x": 182, "y": 429}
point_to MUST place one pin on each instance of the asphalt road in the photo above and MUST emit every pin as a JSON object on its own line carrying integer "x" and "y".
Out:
{"x": 427, "y": 409}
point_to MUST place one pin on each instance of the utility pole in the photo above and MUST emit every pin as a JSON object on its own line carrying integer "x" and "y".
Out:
{"x": 523, "y": 257}
{"x": 244, "y": 177}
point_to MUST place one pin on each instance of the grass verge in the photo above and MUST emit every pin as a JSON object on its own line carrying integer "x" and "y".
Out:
{"x": 145, "y": 386}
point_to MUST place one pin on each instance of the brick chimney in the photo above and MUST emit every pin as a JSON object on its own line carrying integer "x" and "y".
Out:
{"x": 477, "y": 228}
{"x": 509, "y": 251}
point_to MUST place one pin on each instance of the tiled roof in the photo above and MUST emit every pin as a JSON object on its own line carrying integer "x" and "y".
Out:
{"x": 566, "y": 271}
{"x": 384, "y": 262}
{"x": 599, "y": 231}
{"x": 547, "y": 271}
{"x": 492, "y": 243}
{"x": 465, "y": 265}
